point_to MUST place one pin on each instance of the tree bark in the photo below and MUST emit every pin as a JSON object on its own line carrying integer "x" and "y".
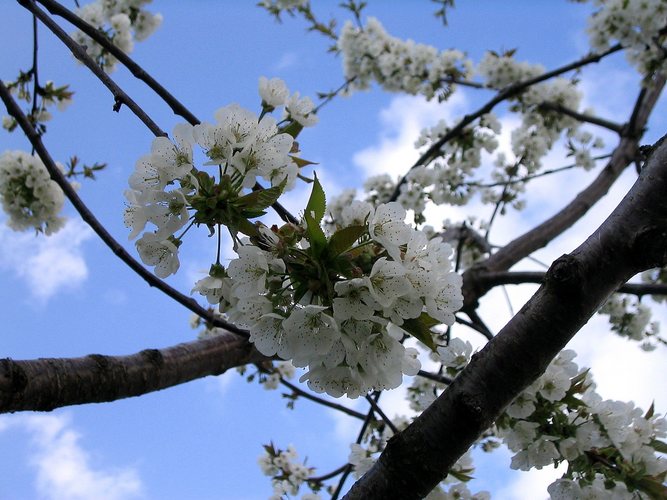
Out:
{"x": 49, "y": 383}
{"x": 632, "y": 239}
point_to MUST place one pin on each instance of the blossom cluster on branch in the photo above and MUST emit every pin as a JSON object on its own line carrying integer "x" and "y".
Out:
{"x": 240, "y": 148}
{"x": 371, "y": 54}
{"x": 121, "y": 21}
{"x": 29, "y": 196}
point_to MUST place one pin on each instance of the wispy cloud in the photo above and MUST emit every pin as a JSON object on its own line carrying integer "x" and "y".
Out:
{"x": 64, "y": 468}
{"x": 287, "y": 60}
{"x": 47, "y": 264}
{"x": 401, "y": 123}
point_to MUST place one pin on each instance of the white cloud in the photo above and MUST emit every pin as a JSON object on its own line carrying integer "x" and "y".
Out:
{"x": 64, "y": 468}
{"x": 401, "y": 123}
{"x": 286, "y": 61}
{"x": 47, "y": 264}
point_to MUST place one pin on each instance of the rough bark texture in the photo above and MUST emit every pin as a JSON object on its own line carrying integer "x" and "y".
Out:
{"x": 632, "y": 239}
{"x": 48, "y": 383}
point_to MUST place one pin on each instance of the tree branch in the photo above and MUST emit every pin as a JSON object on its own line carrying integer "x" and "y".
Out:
{"x": 432, "y": 152}
{"x": 338, "y": 407}
{"x": 632, "y": 239}
{"x": 120, "y": 97}
{"x": 55, "y": 173}
{"x": 559, "y": 108}
{"x": 49, "y": 383}
{"x": 137, "y": 71}
{"x": 545, "y": 232}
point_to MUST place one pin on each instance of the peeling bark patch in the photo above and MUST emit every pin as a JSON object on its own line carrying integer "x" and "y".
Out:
{"x": 153, "y": 356}
{"x": 101, "y": 361}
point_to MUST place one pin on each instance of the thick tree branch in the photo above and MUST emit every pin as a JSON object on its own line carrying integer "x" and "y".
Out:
{"x": 14, "y": 110}
{"x": 49, "y": 383}
{"x": 541, "y": 235}
{"x": 120, "y": 97}
{"x": 632, "y": 239}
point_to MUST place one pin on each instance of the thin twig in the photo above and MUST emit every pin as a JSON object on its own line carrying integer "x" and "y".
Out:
{"x": 34, "y": 70}
{"x": 482, "y": 328}
{"x": 382, "y": 414}
{"x": 507, "y": 299}
{"x": 324, "y": 402}
{"x": 360, "y": 437}
{"x": 137, "y": 71}
{"x": 443, "y": 379}
{"x": 100, "y": 230}
{"x": 471, "y": 325}
{"x": 334, "y": 473}
{"x": 537, "y": 277}
{"x": 530, "y": 177}
{"x": 120, "y": 97}
{"x": 506, "y": 93}
{"x": 559, "y": 108}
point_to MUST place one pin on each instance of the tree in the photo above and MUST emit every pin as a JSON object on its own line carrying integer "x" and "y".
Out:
{"x": 370, "y": 264}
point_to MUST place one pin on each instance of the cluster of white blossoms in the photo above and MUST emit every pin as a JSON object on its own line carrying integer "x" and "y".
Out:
{"x": 560, "y": 418}
{"x": 30, "y": 198}
{"x": 371, "y": 54}
{"x": 632, "y": 319}
{"x": 446, "y": 181}
{"x": 241, "y": 147}
{"x": 280, "y": 5}
{"x": 287, "y": 474}
{"x": 637, "y": 25}
{"x": 341, "y": 305}
{"x": 275, "y": 94}
{"x": 502, "y": 70}
{"x": 122, "y": 21}
{"x": 281, "y": 370}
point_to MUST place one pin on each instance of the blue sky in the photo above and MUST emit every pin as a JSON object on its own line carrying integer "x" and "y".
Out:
{"x": 69, "y": 296}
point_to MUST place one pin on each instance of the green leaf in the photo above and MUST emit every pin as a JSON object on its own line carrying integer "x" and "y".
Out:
{"x": 420, "y": 328}
{"x": 300, "y": 162}
{"x": 317, "y": 203}
{"x": 343, "y": 239}
{"x": 245, "y": 226}
{"x": 461, "y": 475}
{"x": 260, "y": 199}
{"x": 650, "y": 411}
{"x": 293, "y": 129}
{"x": 658, "y": 445}
{"x": 316, "y": 236}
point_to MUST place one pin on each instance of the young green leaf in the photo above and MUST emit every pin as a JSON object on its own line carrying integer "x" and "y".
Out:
{"x": 316, "y": 237}
{"x": 317, "y": 203}
{"x": 343, "y": 239}
{"x": 420, "y": 328}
